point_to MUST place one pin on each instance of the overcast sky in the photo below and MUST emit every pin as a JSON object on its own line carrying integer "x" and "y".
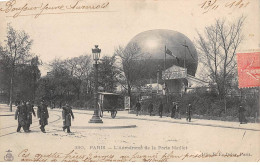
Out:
{"x": 70, "y": 35}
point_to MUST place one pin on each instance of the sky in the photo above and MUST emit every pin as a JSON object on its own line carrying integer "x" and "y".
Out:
{"x": 73, "y": 34}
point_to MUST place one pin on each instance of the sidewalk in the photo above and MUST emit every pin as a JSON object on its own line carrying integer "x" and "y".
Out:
{"x": 125, "y": 115}
{"x": 200, "y": 122}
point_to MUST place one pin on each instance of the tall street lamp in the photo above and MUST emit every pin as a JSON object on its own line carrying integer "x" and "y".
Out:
{"x": 96, "y": 55}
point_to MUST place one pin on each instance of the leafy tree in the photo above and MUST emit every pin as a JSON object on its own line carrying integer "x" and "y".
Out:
{"x": 80, "y": 68}
{"x": 15, "y": 52}
{"x": 5, "y": 69}
{"x": 66, "y": 81}
{"x": 108, "y": 73}
{"x": 26, "y": 77}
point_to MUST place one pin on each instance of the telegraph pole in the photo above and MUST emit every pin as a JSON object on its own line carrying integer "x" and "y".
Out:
{"x": 165, "y": 58}
{"x": 164, "y": 79}
{"x": 185, "y": 54}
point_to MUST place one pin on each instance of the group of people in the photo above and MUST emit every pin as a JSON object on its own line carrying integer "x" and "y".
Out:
{"x": 24, "y": 114}
{"x": 25, "y": 110}
{"x": 175, "y": 111}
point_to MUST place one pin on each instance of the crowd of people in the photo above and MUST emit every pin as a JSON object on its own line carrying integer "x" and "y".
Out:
{"x": 25, "y": 110}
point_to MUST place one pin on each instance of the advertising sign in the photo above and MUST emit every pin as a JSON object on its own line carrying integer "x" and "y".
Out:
{"x": 174, "y": 72}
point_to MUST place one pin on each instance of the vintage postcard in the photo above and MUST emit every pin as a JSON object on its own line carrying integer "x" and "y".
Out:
{"x": 129, "y": 81}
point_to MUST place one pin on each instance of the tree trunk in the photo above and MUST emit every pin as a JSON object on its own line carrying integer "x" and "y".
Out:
{"x": 78, "y": 94}
{"x": 225, "y": 104}
{"x": 11, "y": 88}
{"x": 129, "y": 90}
{"x": 11, "y": 93}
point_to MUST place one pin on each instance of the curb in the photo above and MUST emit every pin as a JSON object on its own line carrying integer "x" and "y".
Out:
{"x": 101, "y": 127}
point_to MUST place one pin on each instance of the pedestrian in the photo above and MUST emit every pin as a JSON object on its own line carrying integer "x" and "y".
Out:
{"x": 21, "y": 115}
{"x": 150, "y": 108}
{"x": 30, "y": 111}
{"x": 173, "y": 110}
{"x": 167, "y": 109}
{"x": 189, "y": 112}
{"x": 177, "y": 112}
{"x": 43, "y": 115}
{"x": 160, "y": 109}
{"x": 138, "y": 107}
{"x": 66, "y": 116}
{"x": 17, "y": 102}
{"x": 242, "y": 118}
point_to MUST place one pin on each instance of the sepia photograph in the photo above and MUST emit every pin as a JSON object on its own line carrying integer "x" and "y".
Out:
{"x": 129, "y": 81}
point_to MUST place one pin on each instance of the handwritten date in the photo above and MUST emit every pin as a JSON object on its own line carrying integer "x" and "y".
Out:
{"x": 209, "y": 5}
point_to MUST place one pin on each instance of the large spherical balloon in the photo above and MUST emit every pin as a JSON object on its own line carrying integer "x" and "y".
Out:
{"x": 152, "y": 45}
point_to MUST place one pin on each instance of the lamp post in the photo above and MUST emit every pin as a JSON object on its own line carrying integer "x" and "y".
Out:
{"x": 96, "y": 55}
{"x": 158, "y": 74}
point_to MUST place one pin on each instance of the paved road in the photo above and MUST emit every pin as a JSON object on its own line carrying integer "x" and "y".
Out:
{"x": 199, "y": 122}
{"x": 198, "y": 136}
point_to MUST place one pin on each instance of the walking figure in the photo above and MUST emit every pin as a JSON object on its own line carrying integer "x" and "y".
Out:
{"x": 167, "y": 108}
{"x": 173, "y": 110}
{"x": 150, "y": 108}
{"x": 177, "y": 113}
{"x": 43, "y": 115}
{"x": 138, "y": 108}
{"x": 189, "y": 112}
{"x": 242, "y": 118}
{"x": 21, "y": 115}
{"x": 160, "y": 109}
{"x": 66, "y": 116}
{"x": 30, "y": 111}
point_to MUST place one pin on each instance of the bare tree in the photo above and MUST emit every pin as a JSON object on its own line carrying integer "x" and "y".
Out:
{"x": 58, "y": 68}
{"x": 18, "y": 46}
{"x": 217, "y": 48}
{"x": 130, "y": 66}
{"x": 80, "y": 67}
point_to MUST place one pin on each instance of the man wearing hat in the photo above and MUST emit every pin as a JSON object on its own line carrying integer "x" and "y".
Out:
{"x": 160, "y": 109}
{"x": 150, "y": 108}
{"x": 138, "y": 107}
{"x": 241, "y": 111}
{"x": 173, "y": 110}
{"x": 30, "y": 111}
{"x": 189, "y": 112}
{"x": 21, "y": 115}
{"x": 177, "y": 112}
{"x": 66, "y": 116}
{"x": 43, "y": 115}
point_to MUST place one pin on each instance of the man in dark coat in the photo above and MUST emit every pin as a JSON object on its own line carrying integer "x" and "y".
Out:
{"x": 43, "y": 115}
{"x": 21, "y": 114}
{"x": 177, "y": 112}
{"x": 189, "y": 112}
{"x": 173, "y": 110}
{"x": 138, "y": 107}
{"x": 66, "y": 116}
{"x": 167, "y": 108}
{"x": 30, "y": 111}
{"x": 242, "y": 118}
{"x": 150, "y": 108}
{"x": 160, "y": 109}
